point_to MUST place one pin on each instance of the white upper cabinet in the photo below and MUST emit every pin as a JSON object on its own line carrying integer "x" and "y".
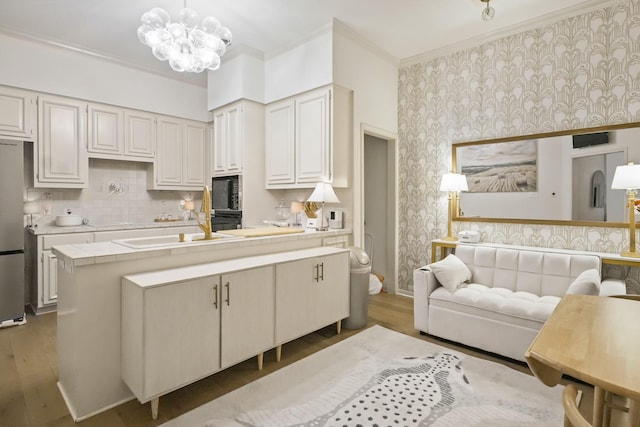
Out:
{"x": 279, "y": 134}
{"x": 17, "y": 114}
{"x": 195, "y": 154}
{"x": 121, "y": 134}
{"x": 313, "y": 148}
{"x": 228, "y": 139}
{"x": 181, "y": 160}
{"x": 169, "y": 163}
{"x": 61, "y": 151}
{"x": 140, "y": 135}
{"x": 309, "y": 139}
{"x": 106, "y": 130}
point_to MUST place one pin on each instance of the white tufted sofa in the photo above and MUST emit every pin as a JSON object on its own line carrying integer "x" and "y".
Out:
{"x": 509, "y": 297}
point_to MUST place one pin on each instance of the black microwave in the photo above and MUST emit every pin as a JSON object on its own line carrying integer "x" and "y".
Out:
{"x": 225, "y": 192}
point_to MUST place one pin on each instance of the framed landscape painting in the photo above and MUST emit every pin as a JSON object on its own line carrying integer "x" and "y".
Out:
{"x": 505, "y": 167}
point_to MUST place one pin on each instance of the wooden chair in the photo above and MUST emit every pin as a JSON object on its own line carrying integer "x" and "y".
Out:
{"x": 572, "y": 415}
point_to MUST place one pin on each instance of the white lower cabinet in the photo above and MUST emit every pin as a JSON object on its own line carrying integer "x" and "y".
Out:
{"x": 310, "y": 294}
{"x": 183, "y": 324}
{"x": 247, "y": 312}
{"x": 170, "y": 334}
{"x": 43, "y": 282}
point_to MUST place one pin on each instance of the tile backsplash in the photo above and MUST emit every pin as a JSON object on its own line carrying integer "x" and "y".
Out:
{"x": 117, "y": 193}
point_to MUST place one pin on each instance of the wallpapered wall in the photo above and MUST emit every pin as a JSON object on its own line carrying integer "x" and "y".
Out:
{"x": 576, "y": 73}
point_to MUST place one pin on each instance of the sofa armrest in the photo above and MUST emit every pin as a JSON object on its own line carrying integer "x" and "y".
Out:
{"x": 424, "y": 282}
{"x": 610, "y": 287}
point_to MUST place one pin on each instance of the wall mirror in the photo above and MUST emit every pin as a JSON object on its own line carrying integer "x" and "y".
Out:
{"x": 557, "y": 178}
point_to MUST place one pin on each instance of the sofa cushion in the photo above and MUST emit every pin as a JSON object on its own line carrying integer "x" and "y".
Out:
{"x": 451, "y": 272}
{"x": 540, "y": 272}
{"x": 521, "y": 308}
{"x": 587, "y": 283}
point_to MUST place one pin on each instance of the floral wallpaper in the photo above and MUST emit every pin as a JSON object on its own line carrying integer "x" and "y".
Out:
{"x": 579, "y": 72}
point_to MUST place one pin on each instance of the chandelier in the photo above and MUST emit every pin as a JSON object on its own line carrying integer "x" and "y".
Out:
{"x": 188, "y": 44}
{"x": 488, "y": 12}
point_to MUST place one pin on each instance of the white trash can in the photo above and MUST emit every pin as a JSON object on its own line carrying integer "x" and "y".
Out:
{"x": 359, "y": 289}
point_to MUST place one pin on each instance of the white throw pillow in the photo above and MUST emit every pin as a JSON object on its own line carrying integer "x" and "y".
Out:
{"x": 451, "y": 272}
{"x": 587, "y": 283}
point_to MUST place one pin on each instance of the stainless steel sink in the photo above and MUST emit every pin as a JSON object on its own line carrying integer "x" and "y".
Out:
{"x": 172, "y": 240}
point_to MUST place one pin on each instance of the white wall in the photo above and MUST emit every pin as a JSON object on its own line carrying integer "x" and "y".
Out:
{"x": 304, "y": 67}
{"x": 239, "y": 77}
{"x": 47, "y": 68}
{"x": 373, "y": 77}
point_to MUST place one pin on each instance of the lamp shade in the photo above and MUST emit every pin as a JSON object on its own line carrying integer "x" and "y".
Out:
{"x": 323, "y": 193}
{"x": 627, "y": 177}
{"x": 189, "y": 205}
{"x": 297, "y": 207}
{"x": 32, "y": 207}
{"x": 453, "y": 182}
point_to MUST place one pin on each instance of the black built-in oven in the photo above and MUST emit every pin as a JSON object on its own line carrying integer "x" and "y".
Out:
{"x": 225, "y": 203}
{"x": 225, "y": 192}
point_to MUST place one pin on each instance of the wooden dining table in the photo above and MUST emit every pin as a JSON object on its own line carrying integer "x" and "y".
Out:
{"x": 596, "y": 340}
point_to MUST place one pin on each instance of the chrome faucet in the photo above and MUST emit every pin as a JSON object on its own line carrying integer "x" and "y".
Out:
{"x": 206, "y": 208}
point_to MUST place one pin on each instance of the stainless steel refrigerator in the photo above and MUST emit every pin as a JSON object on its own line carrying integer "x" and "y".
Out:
{"x": 11, "y": 231}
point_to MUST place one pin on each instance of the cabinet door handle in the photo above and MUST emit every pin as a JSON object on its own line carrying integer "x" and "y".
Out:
{"x": 215, "y": 296}
{"x": 322, "y": 271}
{"x": 228, "y": 293}
{"x": 315, "y": 274}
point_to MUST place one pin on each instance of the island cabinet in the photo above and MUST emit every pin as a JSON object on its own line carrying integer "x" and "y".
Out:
{"x": 310, "y": 293}
{"x": 183, "y": 324}
{"x": 179, "y": 332}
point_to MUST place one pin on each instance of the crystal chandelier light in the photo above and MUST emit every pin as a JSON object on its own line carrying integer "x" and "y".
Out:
{"x": 188, "y": 44}
{"x": 488, "y": 12}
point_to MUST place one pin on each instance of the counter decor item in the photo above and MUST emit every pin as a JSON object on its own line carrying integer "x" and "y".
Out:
{"x": 30, "y": 208}
{"x": 296, "y": 209}
{"x": 323, "y": 193}
{"x": 68, "y": 220}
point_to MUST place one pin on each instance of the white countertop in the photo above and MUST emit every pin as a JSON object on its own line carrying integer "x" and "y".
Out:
{"x": 180, "y": 274}
{"x": 104, "y": 252}
{"x": 53, "y": 229}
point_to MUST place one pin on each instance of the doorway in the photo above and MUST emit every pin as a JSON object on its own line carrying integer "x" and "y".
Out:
{"x": 379, "y": 206}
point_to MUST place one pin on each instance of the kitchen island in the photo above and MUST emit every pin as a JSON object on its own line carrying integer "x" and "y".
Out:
{"x": 90, "y": 303}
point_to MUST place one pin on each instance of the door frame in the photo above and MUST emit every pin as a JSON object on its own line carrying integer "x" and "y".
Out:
{"x": 393, "y": 197}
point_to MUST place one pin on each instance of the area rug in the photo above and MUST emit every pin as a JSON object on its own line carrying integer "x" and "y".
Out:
{"x": 379, "y": 377}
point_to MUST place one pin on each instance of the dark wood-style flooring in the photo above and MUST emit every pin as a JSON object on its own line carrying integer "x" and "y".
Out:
{"x": 29, "y": 396}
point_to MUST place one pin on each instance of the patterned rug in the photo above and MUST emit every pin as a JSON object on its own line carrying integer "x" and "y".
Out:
{"x": 379, "y": 377}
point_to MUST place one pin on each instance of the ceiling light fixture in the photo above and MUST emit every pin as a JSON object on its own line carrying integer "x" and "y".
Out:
{"x": 188, "y": 44}
{"x": 488, "y": 12}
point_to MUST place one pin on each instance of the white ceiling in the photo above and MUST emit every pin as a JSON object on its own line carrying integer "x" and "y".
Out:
{"x": 402, "y": 28}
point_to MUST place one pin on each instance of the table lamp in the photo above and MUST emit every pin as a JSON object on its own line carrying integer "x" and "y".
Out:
{"x": 189, "y": 205}
{"x": 296, "y": 208}
{"x": 454, "y": 183}
{"x": 30, "y": 208}
{"x": 323, "y": 193}
{"x": 627, "y": 178}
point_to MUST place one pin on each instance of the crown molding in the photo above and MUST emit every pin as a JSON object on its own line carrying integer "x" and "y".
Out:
{"x": 201, "y": 82}
{"x": 342, "y": 28}
{"x": 511, "y": 30}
